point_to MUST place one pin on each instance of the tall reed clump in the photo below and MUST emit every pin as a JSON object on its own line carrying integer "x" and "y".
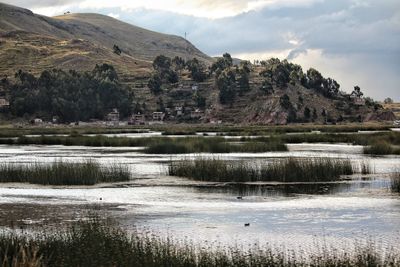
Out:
{"x": 395, "y": 182}
{"x": 381, "y": 148}
{"x": 287, "y": 170}
{"x": 63, "y": 173}
{"x": 94, "y": 243}
{"x": 211, "y": 145}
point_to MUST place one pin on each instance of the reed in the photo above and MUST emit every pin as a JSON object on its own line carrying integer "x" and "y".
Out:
{"x": 395, "y": 182}
{"x": 155, "y": 145}
{"x": 381, "y": 148}
{"x": 97, "y": 243}
{"x": 63, "y": 173}
{"x": 211, "y": 145}
{"x": 287, "y": 170}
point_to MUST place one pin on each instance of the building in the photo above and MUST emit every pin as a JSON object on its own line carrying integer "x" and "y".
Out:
{"x": 4, "y": 104}
{"x": 158, "y": 116}
{"x": 357, "y": 99}
{"x": 179, "y": 111}
{"x": 197, "y": 114}
{"x": 137, "y": 119}
{"x": 113, "y": 115}
{"x": 113, "y": 118}
{"x": 37, "y": 121}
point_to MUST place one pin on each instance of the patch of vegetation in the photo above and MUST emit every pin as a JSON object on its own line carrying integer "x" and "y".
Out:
{"x": 69, "y": 96}
{"x": 63, "y": 173}
{"x": 288, "y": 170}
{"x": 211, "y": 145}
{"x": 381, "y": 147}
{"x": 395, "y": 182}
{"x": 155, "y": 145}
{"x": 355, "y": 139}
{"x": 97, "y": 243}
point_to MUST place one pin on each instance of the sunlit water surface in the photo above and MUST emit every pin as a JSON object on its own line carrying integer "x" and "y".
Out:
{"x": 293, "y": 215}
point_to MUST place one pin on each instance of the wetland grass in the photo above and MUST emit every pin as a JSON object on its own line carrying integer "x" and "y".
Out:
{"x": 287, "y": 170}
{"x": 212, "y": 145}
{"x": 63, "y": 173}
{"x": 395, "y": 182}
{"x": 381, "y": 148}
{"x": 156, "y": 145}
{"x": 97, "y": 243}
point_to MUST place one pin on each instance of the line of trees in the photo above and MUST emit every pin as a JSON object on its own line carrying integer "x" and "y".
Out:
{"x": 167, "y": 70}
{"x": 70, "y": 95}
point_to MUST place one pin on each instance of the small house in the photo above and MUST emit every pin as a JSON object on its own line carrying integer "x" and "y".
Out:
{"x": 137, "y": 119}
{"x": 4, "y": 104}
{"x": 196, "y": 114}
{"x": 357, "y": 99}
{"x": 37, "y": 121}
{"x": 113, "y": 115}
{"x": 158, "y": 116}
{"x": 179, "y": 111}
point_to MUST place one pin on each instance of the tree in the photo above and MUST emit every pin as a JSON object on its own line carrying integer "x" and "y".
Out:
{"x": 315, "y": 79}
{"x": 226, "y": 83}
{"x": 155, "y": 83}
{"x": 222, "y": 64}
{"x": 243, "y": 81}
{"x": 388, "y": 100}
{"x": 162, "y": 66}
{"x": 196, "y": 69}
{"x": 178, "y": 63}
{"x": 103, "y": 72}
{"x": 285, "y": 102}
{"x": 314, "y": 115}
{"x": 162, "y": 63}
{"x": 117, "y": 50}
{"x": 332, "y": 87}
{"x": 357, "y": 92}
{"x": 200, "y": 101}
{"x": 307, "y": 113}
{"x": 267, "y": 88}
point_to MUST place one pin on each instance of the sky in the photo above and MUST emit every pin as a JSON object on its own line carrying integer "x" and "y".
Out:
{"x": 356, "y": 42}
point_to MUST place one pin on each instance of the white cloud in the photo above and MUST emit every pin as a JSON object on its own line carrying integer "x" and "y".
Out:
{"x": 353, "y": 41}
{"x": 115, "y": 16}
{"x": 198, "y": 8}
{"x": 52, "y": 10}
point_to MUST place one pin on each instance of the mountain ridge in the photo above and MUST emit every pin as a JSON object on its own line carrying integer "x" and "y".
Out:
{"x": 139, "y": 46}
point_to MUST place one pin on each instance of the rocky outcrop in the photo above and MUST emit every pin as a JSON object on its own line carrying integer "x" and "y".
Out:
{"x": 384, "y": 115}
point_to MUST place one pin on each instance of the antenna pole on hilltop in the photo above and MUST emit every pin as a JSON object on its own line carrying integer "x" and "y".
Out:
{"x": 186, "y": 46}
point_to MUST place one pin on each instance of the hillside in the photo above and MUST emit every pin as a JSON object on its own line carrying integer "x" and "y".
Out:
{"x": 184, "y": 90}
{"x": 33, "y": 42}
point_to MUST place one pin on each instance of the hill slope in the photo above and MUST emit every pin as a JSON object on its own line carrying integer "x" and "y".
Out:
{"x": 54, "y": 42}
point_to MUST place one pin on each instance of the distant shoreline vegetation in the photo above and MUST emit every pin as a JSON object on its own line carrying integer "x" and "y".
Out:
{"x": 191, "y": 129}
{"x": 286, "y": 170}
{"x": 156, "y": 145}
{"x": 384, "y": 143}
{"x": 63, "y": 173}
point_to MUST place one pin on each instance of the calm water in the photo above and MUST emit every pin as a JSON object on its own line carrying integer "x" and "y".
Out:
{"x": 294, "y": 215}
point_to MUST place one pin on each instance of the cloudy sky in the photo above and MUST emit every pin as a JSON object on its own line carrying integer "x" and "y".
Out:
{"x": 357, "y": 42}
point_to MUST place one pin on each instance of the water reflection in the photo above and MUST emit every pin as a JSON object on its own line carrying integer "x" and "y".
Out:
{"x": 281, "y": 190}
